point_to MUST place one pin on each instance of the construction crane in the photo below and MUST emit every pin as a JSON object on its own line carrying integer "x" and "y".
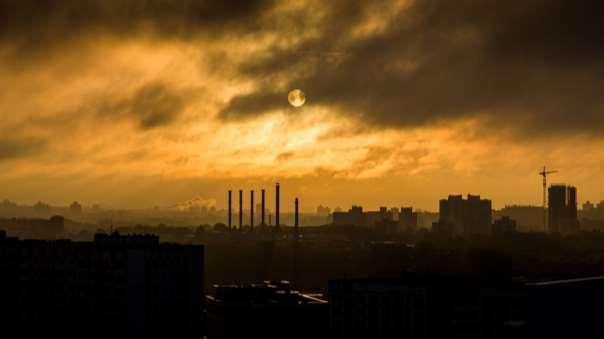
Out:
{"x": 544, "y": 173}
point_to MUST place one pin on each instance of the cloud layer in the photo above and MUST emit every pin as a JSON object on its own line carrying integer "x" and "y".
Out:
{"x": 399, "y": 92}
{"x": 533, "y": 67}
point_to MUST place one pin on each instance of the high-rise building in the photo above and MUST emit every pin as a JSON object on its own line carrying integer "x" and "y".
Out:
{"x": 562, "y": 208}
{"x": 465, "y": 217}
{"x": 113, "y": 287}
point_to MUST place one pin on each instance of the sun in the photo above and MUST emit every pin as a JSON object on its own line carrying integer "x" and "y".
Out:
{"x": 296, "y": 98}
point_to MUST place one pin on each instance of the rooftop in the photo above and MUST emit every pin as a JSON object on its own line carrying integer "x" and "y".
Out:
{"x": 267, "y": 292}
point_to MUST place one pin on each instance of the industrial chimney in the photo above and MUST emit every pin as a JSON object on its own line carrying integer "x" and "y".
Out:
{"x": 240, "y": 210}
{"x": 296, "y": 224}
{"x": 277, "y": 206}
{"x": 252, "y": 210}
{"x": 262, "y": 211}
{"x": 230, "y": 209}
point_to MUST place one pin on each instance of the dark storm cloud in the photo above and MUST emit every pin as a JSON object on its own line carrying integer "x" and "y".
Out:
{"x": 258, "y": 102}
{"x": 153, "y": 105}
{"x": 156, "y": 105}
{"x": 33, "y": 25}
{"x": 533, "y": 65}
{"x": 13, "y": 148}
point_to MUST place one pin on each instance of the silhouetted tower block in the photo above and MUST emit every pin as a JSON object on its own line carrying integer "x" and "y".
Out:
{"x": 252, "y": 209}
{"x": 562, "y": 209}
{"x": 296, "y": 223}
{"x": 230, "y": 209}
{"x": 240, "y": 209}
{"x": 277, "y": 206}
{"x": 465, "y": 217}
{"x": 263, "y": 209}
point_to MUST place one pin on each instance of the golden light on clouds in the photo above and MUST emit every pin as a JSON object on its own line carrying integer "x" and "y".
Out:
{"x": 403, "y": 111}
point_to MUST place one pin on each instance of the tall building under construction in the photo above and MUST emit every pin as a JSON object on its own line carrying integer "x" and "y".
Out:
{"x": 562, "y": 209}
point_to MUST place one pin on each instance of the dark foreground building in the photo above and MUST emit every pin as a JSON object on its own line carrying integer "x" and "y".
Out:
{"x": 466, "y": 307}
{"x": 113, "y": 287}
{"x": 268, "y": 310}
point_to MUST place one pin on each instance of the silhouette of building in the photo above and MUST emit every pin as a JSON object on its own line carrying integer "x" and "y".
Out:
{"x": 465, "y": 306}
{"x": 75, "y": 208}
{"x": 588, "y": 207}
{"x": 562, "y": 208}
{"x": 386, "y": 227}
{"x": 49, "y": 229}
{"x": 528, "y": 218}
{"x": 323, "y": 211}
{"x": 407, "y": 219}
{"x": 354, "y": 217}
{"x": 370, "y": 219}
{"x": 113, "y": 287}
{"x": 592, "y": 211}
{"x": 267, "y": 310}
{"x": 504, "y": 225}
{"x": 464, "y": 217}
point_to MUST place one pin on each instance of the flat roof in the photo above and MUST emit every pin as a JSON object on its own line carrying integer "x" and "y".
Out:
{"x": 566, "y": 281}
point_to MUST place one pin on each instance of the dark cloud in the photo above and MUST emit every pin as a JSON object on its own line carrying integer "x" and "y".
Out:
{"x": 156, "y": 105}
{"x": 535, "y": 66}
{"x": 153, "y": 105}
{"x": 13, "y": 148}
{"x": 285, "y": 156}
{"x": 36, "y": 25}
{"x": 256, "y": 102}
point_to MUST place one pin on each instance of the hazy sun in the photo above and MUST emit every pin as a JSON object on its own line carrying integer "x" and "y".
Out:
{"x": 296, "y": 98}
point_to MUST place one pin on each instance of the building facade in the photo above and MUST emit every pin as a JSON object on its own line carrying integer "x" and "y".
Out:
{"x": 562, "y": 209}
{"x": 113, "y": 287}
{"x": 386, "y": 221}
{"x": 458, "y": 306}
{"x": 465, "y": 217}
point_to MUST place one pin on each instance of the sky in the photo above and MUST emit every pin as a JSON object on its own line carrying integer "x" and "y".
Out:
{"x": 141, "y": 103}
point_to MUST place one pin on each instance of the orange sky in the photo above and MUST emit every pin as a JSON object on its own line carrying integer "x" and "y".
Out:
{"x": 138, "y": 119}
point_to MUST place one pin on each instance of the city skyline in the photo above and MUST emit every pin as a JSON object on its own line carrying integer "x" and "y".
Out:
{"x": 221, "y": 203}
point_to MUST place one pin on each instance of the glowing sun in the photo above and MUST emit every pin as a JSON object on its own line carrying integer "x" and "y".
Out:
{"x": 296, "y": 98}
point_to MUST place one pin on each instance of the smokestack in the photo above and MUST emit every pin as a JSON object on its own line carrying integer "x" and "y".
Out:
{"x": 230, "y": 209}
{"x": 240, "y": 209}
{"x": 296, "y": 239}
{"x": 277, "y": 206}
{"x": 252, "y": 210}
{"x": 262, "y": 211}
{"x": 296, "y": 225}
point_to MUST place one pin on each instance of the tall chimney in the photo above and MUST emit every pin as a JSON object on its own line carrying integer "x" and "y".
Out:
{"x": 262, "y": 211}
{"x": 277, "y": 206}
{"x": 240, "y": 210}
{"x": 230, "y": 209}
{"x": 252, "y": 210}
{"x": 296, "y": 239}
{"x": 296, "y": 225}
